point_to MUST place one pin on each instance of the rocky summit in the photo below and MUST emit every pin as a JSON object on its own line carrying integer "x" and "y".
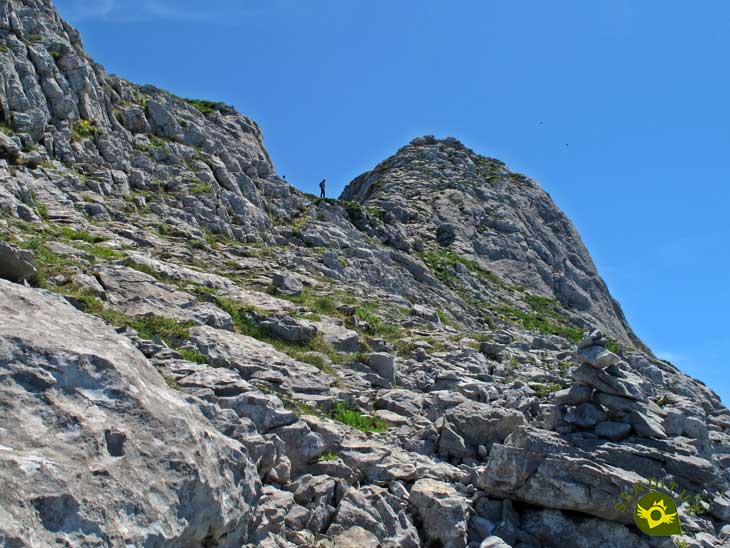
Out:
{"x": 195, "y": 354}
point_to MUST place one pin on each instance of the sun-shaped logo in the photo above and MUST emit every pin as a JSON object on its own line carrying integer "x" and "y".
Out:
{"x": 656, "y": 515}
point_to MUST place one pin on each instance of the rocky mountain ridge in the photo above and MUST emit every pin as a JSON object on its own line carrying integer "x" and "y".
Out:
{"x": 195, "y": 353}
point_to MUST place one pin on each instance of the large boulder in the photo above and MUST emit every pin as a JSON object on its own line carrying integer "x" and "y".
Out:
{"x": 483, "y": 424}
{"x": 443, "y": 512}
{"x": 97, "y": 449}
{"x": 16, "y": 265}
{"x": 289, "y": 329}
{"x": 541, "y": 468}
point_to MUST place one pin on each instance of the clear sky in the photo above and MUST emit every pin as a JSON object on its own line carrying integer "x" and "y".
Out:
{"x": 619, "y": 108}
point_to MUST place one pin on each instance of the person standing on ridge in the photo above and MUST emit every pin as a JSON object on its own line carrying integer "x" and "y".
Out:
{"x": 322, "y": 187}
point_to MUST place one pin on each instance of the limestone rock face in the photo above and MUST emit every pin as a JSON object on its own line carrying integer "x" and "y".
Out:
{"x": 85, "y": 416}
{"x": 193, "y": 353}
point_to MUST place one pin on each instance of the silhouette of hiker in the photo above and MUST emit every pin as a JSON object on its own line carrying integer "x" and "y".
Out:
{"x": 322, "y": 187}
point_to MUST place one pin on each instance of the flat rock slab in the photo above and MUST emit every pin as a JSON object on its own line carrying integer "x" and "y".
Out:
{"x": 180, "y": 273}
{"x": 256, "y": 360}
{"x": 258, "y": 299}
{"x": 138, "y": 294}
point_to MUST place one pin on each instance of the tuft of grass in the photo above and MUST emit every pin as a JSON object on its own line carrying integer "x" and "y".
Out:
{"x": 544, "y": 390}
{"x": 328, "y": 456}
{"x": 172, "y": 383}
{"x": 7, "y": 130}
{"x": 71, "y": 234}
{"x": 200, "y": 187}
{"x": 159, "y": 327}
{"x": 42, "y": 210}
{"x": 35, "y": 38}
{"x": 613, "y": 346}
{"x": 191, "y": 355}
{"x": 83, "y": 129}
{"x": 349, "y": 415}
{"x": 206, "y": 107}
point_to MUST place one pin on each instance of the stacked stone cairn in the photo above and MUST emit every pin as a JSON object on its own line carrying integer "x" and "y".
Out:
{"x": 607, "y": 398}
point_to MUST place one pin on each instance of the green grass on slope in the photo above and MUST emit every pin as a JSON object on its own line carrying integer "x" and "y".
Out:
{"x": 347, "y": 414}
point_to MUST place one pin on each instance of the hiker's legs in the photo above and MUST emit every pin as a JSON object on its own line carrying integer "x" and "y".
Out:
{"x": 321, "y": 193}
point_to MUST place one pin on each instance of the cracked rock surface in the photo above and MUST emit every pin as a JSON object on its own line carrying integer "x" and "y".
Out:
{"x": 195, "y": 353}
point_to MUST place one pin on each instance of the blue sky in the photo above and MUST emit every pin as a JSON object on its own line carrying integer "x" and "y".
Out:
{"x": 618, "y": 108}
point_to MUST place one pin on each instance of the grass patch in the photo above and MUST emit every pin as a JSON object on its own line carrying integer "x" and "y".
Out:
{"x": 191, "y": 355}
{"x": 545, "y": 316}
{"x": 7, "y": 130}
{"x": 172, "y": 383}
{"x": 442, "y": 263}
{"x": 376, "y": 326}
{"x": 542, "y": 391}
{"x": 70, "y": 234}
{"x": 327, "y": 457}
{"x": 349, "y": 415}
{"x": 101, "y": 252}
{"x": 200, "y": 187}
{"x": 245, "y": 320}
{"x": 42, "y": 210}
{"x": 613, "y": 346}
{"x": 48, "y": 263}
{"x": 83, "y": 129}
{"x": 206, "y": 107}
{"x": 149, "y": 327}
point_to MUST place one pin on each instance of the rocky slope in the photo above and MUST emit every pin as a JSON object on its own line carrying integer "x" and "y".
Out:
{"x": 194, "y": 353}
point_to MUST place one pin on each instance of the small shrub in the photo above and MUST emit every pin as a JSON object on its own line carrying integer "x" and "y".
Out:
{"x": 206, "y": 107}
{"x": 347, "y": 414}
{"x": 83, "y": 129}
